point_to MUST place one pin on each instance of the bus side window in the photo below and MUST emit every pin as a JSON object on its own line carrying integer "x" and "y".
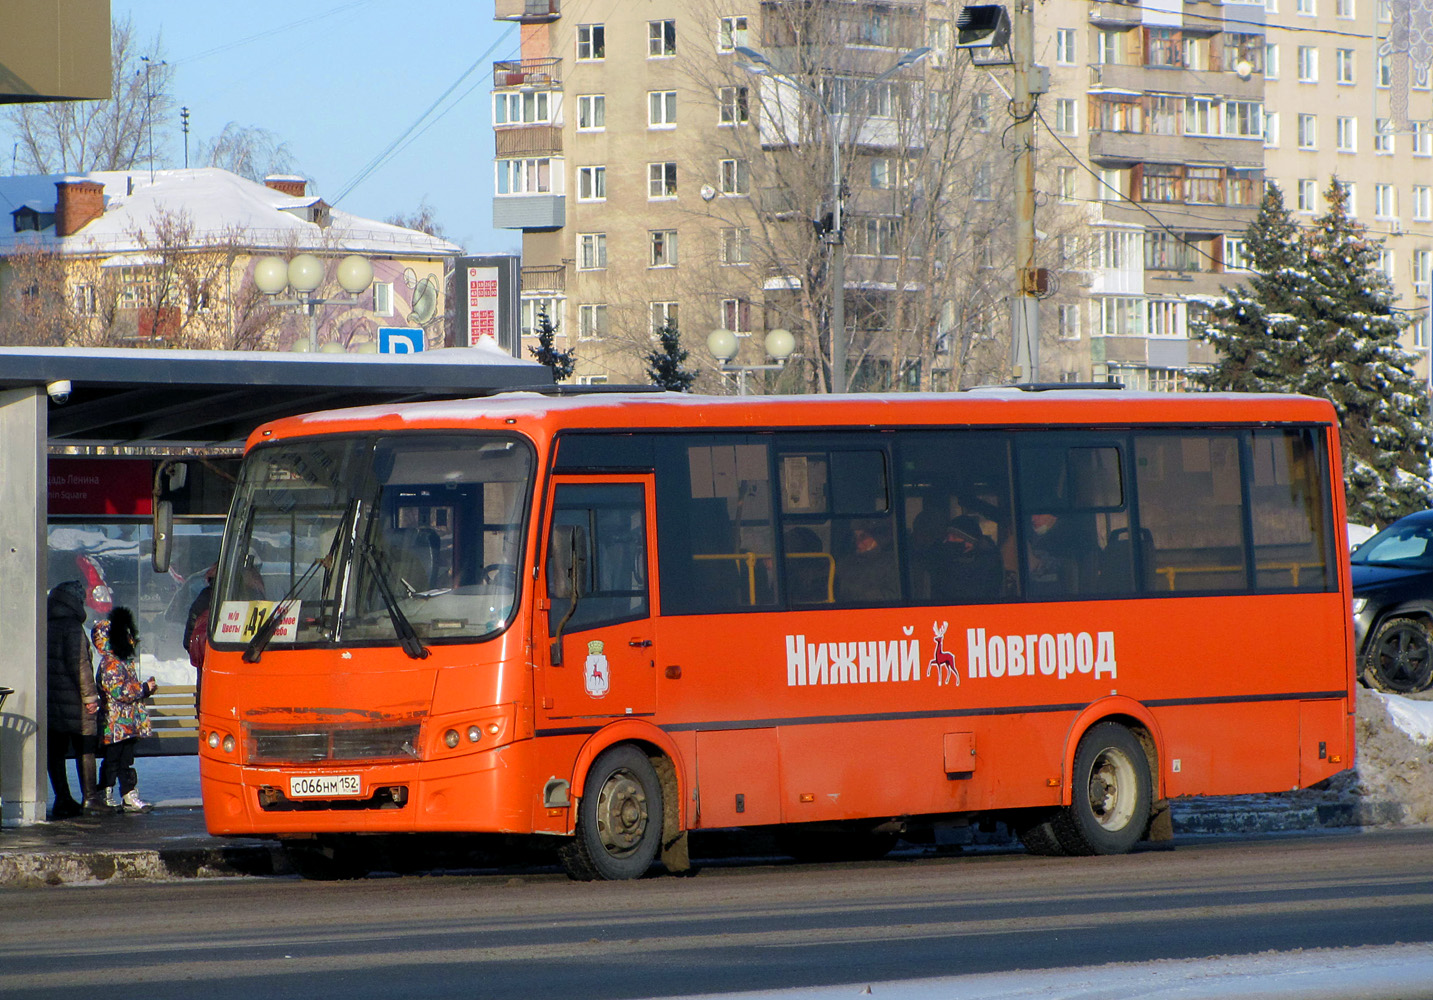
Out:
{"x": 607, "y": 525}
{"x": 1071, "y": 495}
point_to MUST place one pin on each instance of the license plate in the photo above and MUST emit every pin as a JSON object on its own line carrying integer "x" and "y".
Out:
{"x": 324, "y": 786}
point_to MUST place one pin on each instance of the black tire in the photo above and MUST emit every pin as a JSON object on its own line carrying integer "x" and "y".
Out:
{"x": 1039, "y": 835}
{"x": 1110, "y": 795}
{"x": 619, "y": 820}
{"x": 1400, "y": 657}
{"x": 830, "y": 845}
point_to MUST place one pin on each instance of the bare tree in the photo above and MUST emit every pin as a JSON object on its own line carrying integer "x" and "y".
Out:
{"x": 117, "y": 134}
{"x": 926, "y": 182}
{"x": 424, "y": 219}
{"x": 248, "y": 151}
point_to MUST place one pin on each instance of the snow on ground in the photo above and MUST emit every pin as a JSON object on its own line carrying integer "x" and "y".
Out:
{"x": 1374, "y": 973}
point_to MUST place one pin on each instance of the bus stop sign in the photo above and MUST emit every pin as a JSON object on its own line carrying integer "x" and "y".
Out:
{"x": 400, "y": 340}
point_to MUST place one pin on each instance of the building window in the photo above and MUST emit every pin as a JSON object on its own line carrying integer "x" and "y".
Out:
{"x": 1385, "y": 201}
{"x": 1343, "y": 66}
{"x": 1243, "y": 187}
{"x": 883, "y": 173}
{"x": 1385, "y": 263}
{"x": 1068, "y": 322}
{"x": 1111, "y": 186}
{"x": 532, "y": 310}
{"x": 980, "y": 183}
{"x": 530, "y": 175}
{"x": 591, "y": 112}
{"x": 1423, "y": 332}
{"x": 1201, "y": 116}
{"x": 1271, "y": 129}
{"x": 591, "y": 41}
{"x": 591, "y": 321}
{"x": 1119, "y": 317}
{"x": 1235, "y": 259}
{"x": 1065, "y": 46}
{"x": 661, "y": 181}
{"x": 1165, "y": 251}
{"x": 1344, "y": 9}
{"x": 1308, "y": 64}
{"x": 1109, "y": 48}
{"x": 1165, "y": 319}
{"x": 1383, "y": 72}
{"x": 1309, "y": 8}
{"x": 1308, "y": 132}
{"x": 1065, "y": 116}
{"x": 1346, "y": 134}
{"x": 1065, "y": 180}
{"x": 1166, "y": 47}
{"x": 1160, "y": 182}
{"x": 736, "y": 315}
{"x": 516, "y": 108}
{"x": 734, "y": 177}
{"x": 1422, "y": 139}
{"x": 661, "y": 109}
{"x": 1350, "y": 192}
{"x": 663, "y": 313}
{"x": 1244, "y": 119}
{"x": 734, "y": 241}
{"x": 591, "y": 183}
{"x": 661, "y": 38}
{"x": 591, "y": 251}
{"x": 734, "y": 106}
{"x": 1423, "y": 203}
{"x": 1308, "y": 196}
{"x": 383, "y": 298}
{"x": 1382, "y": 136}
{"x": 731, "y": 32}
{"x": 879, "y": 237}
{"x": 663, "y": 244}
{"x": 1202, "y": 185}
{"x": 1271, "y": 60}
{"x": 980, "y": 112}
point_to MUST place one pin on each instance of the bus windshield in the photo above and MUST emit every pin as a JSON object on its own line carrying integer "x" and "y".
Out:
{"x": 375, "y": 540}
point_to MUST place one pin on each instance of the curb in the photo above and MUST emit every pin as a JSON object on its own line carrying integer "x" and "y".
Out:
{"x": 33, "y": 869}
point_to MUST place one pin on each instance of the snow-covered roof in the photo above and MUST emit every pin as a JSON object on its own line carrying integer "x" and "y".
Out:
{"x": 219, "y": 206}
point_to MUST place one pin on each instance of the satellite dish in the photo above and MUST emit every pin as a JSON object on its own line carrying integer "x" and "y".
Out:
{"x": 1244, "y": 68}
{"x": 708, "y": 192}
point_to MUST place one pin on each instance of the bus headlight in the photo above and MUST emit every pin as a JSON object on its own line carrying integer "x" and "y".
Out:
{"x": 228, "y": 744}
{"x": 474, "y": 734}
{"x": 213, "y": 740}
{"x": 450, "y": 738}
{"x": 1359, "y": 603}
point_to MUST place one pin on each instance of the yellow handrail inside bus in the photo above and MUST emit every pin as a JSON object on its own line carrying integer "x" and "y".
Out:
{"x": 1169, "y": 572}
{"x": 750, "y": 559}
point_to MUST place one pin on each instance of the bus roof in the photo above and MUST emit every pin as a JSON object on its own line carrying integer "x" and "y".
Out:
{"x": 542, "y": 414}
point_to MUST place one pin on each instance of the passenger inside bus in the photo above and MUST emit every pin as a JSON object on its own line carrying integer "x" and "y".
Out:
{"x": 971, "y": 569}
{"x": 867, "y": 571}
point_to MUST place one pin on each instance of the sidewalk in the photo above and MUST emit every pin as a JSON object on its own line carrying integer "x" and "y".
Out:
{"x": 168, "y": 843}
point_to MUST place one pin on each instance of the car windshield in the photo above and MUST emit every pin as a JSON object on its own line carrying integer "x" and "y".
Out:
{"x": 375, "y": 540}
{"x": 1408, "y": 546}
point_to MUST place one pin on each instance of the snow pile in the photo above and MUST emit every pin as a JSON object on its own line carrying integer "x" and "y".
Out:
{"x": 1392, "y": 781}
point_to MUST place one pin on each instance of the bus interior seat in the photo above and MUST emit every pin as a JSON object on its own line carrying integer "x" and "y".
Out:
{"x": 1116, "y": 563}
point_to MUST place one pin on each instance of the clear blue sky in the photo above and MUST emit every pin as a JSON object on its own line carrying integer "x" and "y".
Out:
{"x": 341, "y": 80}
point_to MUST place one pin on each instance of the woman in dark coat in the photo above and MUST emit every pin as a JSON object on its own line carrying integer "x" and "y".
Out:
{"x": 73, "y": 702}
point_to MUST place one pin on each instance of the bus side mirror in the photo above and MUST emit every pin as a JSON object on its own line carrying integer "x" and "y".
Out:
{"x": 163, "y": 535}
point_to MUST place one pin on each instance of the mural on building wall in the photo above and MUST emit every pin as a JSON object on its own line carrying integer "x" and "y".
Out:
{"x": 1409, "y": 48}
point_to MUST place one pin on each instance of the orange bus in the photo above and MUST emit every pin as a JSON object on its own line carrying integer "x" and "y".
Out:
{"x": 617, "y": 618}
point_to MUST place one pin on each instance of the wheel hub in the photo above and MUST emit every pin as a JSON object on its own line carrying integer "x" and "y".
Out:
{"x": 621, "y": 813}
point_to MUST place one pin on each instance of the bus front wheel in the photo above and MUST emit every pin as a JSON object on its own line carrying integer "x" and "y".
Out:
{"x": 1110, "y": 798}
{"x": 619, "y": 820}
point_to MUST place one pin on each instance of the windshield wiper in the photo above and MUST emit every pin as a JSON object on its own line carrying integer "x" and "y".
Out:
{"x": 255, "y": 650}
{"x": 407, "y": 635}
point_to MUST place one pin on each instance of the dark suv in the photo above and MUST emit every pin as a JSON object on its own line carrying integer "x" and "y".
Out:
{"x": 1393, "y": 605}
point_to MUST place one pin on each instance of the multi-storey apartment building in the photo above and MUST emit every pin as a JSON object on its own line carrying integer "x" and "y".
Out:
{"x": 651, "y": 175}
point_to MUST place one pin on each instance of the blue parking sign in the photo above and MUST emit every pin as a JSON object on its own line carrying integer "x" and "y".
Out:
{"x": 400, "y": 340}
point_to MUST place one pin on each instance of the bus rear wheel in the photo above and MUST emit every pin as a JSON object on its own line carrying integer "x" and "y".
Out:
{"x": 619, "y": 820}
{"x": 1110, "y": 797}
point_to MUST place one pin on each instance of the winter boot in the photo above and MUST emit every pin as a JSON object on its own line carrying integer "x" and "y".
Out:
{"x": 88, "y": 784}
{"x": 134, "y": 804}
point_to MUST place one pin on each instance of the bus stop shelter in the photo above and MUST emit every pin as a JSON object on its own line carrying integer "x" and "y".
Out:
{"x": 160, "y": 400}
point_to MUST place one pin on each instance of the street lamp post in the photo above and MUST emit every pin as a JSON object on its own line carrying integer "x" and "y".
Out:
{"x": 759, "y": 65}
{"x": 723, "y": 344}
{"x": 303, "y": 275}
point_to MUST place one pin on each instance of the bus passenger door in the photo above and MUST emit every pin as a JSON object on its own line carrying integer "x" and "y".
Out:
{"x": 594, "y": 643}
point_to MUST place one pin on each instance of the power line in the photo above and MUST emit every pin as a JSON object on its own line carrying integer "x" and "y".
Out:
{"x": 389, "y": 150}
{"x": 272, "y": 31}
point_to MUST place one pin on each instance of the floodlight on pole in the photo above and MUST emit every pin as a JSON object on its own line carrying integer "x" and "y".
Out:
{"x": 756, "y": 63}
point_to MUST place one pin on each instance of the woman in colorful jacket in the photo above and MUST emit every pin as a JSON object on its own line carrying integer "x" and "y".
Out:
{"x": 125, "y": 718}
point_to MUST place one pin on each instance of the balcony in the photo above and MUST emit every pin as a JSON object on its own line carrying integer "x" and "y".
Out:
{"x": 1114, "y": 14}
{"x": 539, "y": 74}
{"x": 527, "y": 140}
{"x": 529, "y": 211}
{"x": 544, "y": 278}
{"x": 1174, "y": 80}
{"x": 528, "y": 11}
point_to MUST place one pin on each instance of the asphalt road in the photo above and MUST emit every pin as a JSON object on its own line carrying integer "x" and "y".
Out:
{"x": 727, "y": 928}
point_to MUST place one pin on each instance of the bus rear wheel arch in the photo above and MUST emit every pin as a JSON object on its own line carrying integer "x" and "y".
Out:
{"x": 1110, "y": 801}
{"x": 619, "y": 818}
